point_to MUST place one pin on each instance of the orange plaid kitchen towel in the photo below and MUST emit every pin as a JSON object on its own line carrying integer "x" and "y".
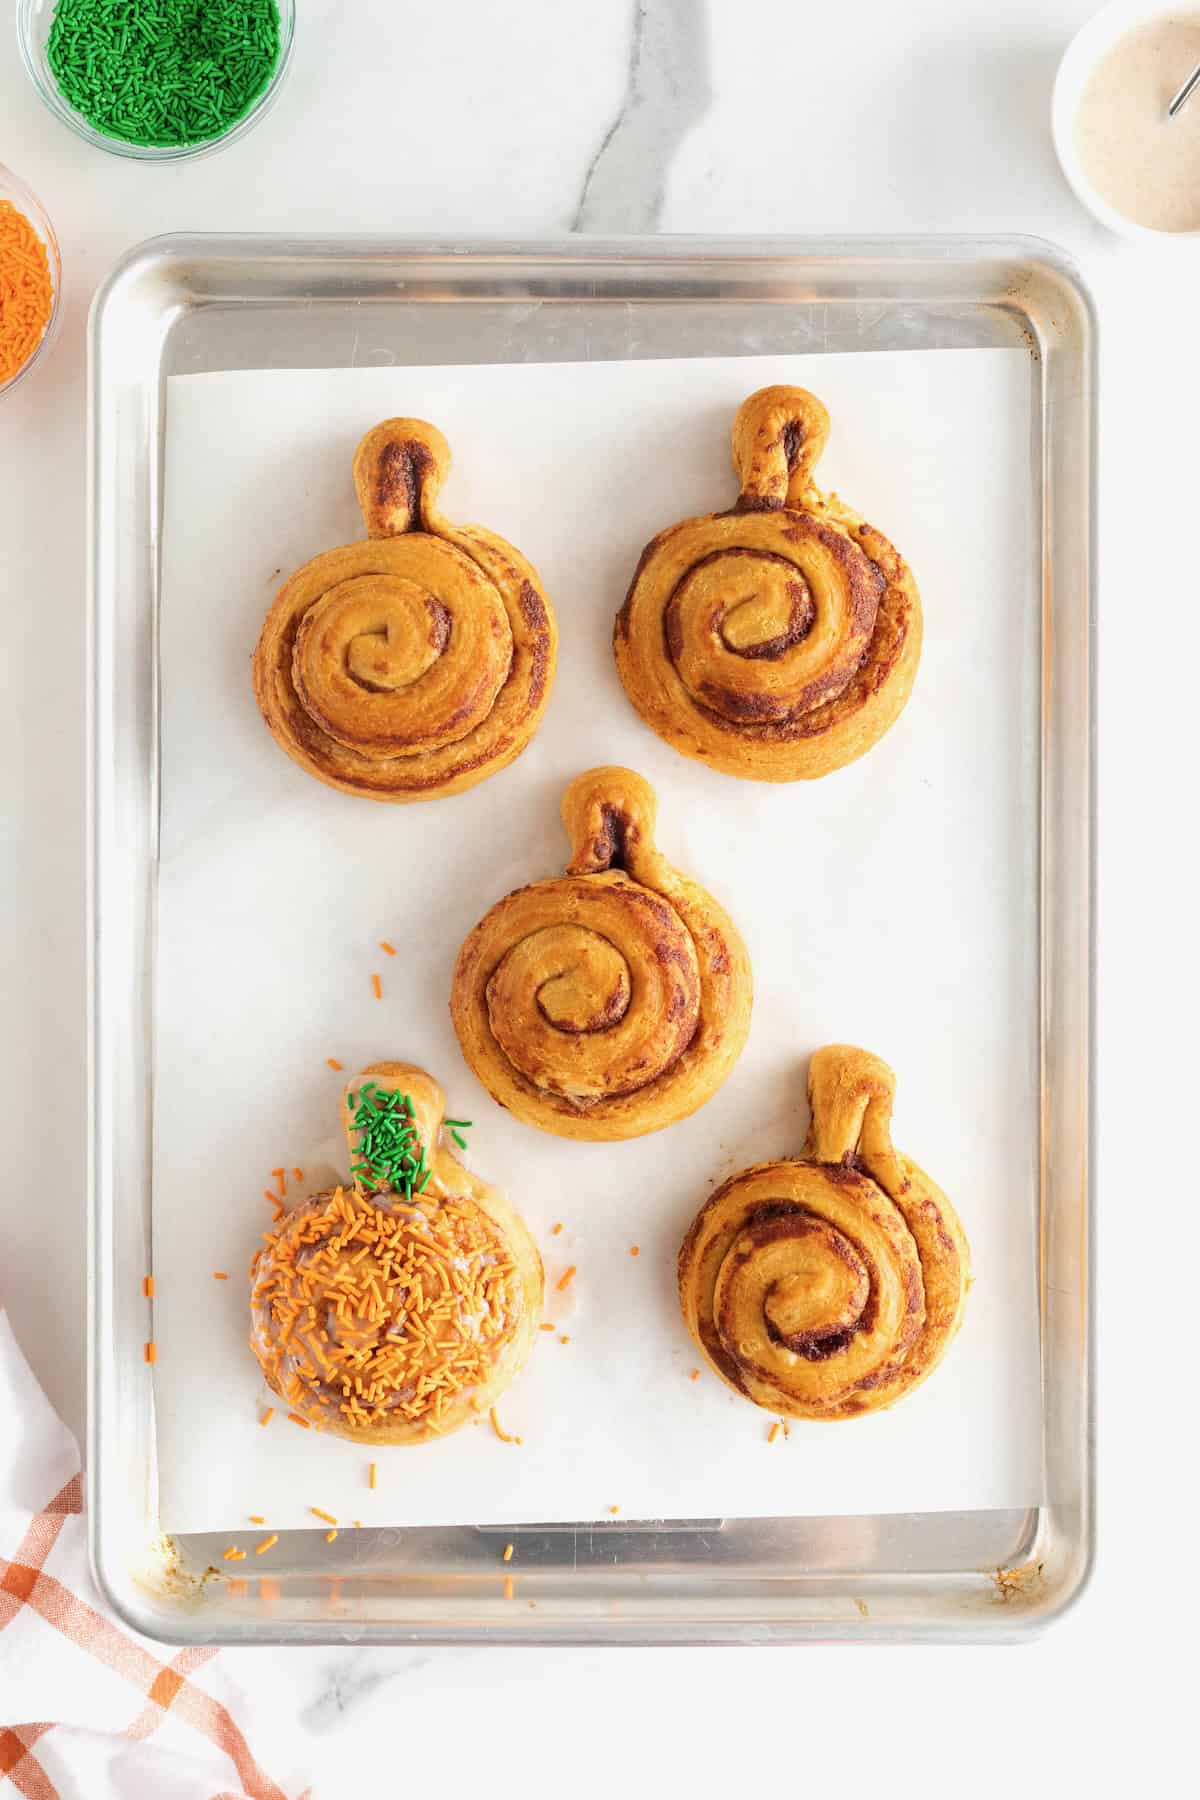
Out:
{"x": 88, "y": 1709}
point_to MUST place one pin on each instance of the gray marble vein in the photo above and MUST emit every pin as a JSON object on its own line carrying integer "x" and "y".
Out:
{"x": 350, "y": 1679}
{"x": 667, "y": 91}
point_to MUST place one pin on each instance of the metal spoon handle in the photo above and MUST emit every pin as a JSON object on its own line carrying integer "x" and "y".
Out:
{"x": 1185, "y": 93}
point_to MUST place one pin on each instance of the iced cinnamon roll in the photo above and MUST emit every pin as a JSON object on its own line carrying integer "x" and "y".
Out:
{"x": 399, "y": 1307}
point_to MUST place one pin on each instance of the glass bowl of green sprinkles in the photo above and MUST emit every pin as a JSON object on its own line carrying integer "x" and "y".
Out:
{"x": 157, "y": 80}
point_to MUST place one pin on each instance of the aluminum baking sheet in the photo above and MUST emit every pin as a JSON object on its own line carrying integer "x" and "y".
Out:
{"x": 184, "y": 305}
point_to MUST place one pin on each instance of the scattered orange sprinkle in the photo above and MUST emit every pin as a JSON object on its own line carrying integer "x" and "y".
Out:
{"x": 502, "y": 1435}
{"x": 233, "y": 1554}
{"x": 334, "y": 1063}
{"x": 318, "y": 1514}
{"x": 297, "y": 1420}
{"x": 566, "y": 1279}
{"x": 695, "y": 1375}
{"x": 148, "y": 1286}
{"x": 151, "y": 1353}
{"x": 357, "y": 1523}
{"x": 390, "y": 949}
{"x": 266, "y": 1543}
{"x": 268, "y": 1415}
{"x": 298, "y": 1174}
{"x": 281, "y": 1177}
{"x": 508, "y": 1553}
{"x": 555, "y": 1229}
{"x": 256, "y": 1518}
{"x": 564, "y": 1340}
{"x": 614, "y": 1509}
{"x": 377, "y": 985}
{"x": 773, "y": 1433}
{"x": 329, "y": 1536}
{"x": 508, "y": 1587}
{"x": 268, "y": 1588}
{"x": 635, "y": 1249}
{"x": 372, "y": 1475}
{"x": 220, "y": 1274}
{"x": 544, "y": 1327}
{"x": 787, "y": 1430}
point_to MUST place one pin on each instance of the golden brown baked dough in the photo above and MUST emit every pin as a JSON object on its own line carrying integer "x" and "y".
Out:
{"x": 614, "y": 999}
{"x": 831, "y": 1285}
{"x": 391, "y": 1321}
{"x": 414, "y": 664}
{"x": 778, "y": 641}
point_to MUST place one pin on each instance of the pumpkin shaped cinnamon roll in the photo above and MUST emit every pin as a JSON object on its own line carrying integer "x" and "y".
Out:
{"x": 399, "y": 1307}
{"x": 419, "y": 662}
{"x": 614, "y": 999}
{"x": 780, "y": 640}
{"x": 828, "y": 1286}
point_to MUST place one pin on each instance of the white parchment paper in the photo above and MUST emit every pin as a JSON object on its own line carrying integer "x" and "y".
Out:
{"x": 892, "y": 904}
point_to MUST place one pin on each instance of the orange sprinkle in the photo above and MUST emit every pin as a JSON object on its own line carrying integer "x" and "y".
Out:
{"x": 281, "y": 1177}
{"x": 268, "y": 1415}
{"x": 266, "y": 1543}
{"x": 233, "y": 1554}
{"x": 508, "y": 1553}
{"x": 564, "y": 1340}
{"x": 555, "y": 1229}
{"x": 787, "y": 1430}
{"x": 220, "y": 1274}
{"x": 635, "y": 1249}
{"x": 566, "y": 1279}
{"x": 329, "y": 1536}
{"x": 614, "y": 1509}
{"x": 256, "y": 1518}
{"x": 148, "y": 1286}
{"x": 774, "y": 1432}
{"x": 372, "y": 1475}
{"x": 357, "y": 1523}
{"x": 502, "y": 1435}
{"x": 26, "y": 290}
{"x": 508, "y": 1587}
{"x": 298, "y": 1174}
{"x": 297, "y": 1420}
{"x": 318, "y": 1514}
{"x": 695, "y": 1375}
{"x": 377, "y": 985}
{"x": 334, "y": 1063}
{"x": 545, "y": 1328}
{"x": 151, "y": 1353}
{"x": 389, "y": 949}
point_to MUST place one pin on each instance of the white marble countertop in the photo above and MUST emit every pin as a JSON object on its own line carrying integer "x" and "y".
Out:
{"x": 670, "y": 115}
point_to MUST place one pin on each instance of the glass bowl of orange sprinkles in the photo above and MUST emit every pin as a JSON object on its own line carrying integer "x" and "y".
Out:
{"x": 30, "y": 280}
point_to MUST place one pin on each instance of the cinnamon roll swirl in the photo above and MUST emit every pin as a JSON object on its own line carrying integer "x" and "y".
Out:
{"x": 390, "y": 1312}
{"x": 419, "y": 662}
{"x": 780, "y": 640}
{"x": 612, "y": 1000}
{"x": 828, "y": 1286}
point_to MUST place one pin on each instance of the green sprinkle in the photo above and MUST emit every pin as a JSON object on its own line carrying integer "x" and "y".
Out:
{"x": 463, "y": 1124}
{"x": 163, "y": 73}
{"x": 460, "y": 1141}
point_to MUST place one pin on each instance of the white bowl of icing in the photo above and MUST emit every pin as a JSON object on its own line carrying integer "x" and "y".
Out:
{"x": 1108, "y": 108}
